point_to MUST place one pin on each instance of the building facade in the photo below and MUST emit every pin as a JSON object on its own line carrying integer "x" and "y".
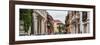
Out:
{"x": 58, "y": 27}
{"x": 39, "y": 22}
{"x": 77, "y": 22}
{"x": 50, "y": 27}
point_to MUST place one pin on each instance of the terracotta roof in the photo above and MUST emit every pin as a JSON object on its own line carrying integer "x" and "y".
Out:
{"x": 49, "y": 17}
{"x": 57, "y": 21}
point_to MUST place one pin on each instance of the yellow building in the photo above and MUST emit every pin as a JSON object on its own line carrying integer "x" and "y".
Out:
{"x": 57, "y": 24}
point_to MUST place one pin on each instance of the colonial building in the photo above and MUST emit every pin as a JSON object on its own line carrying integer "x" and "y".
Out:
{"x": 58, "y": 27}
{"x": 50, "y": 27}
{"x": 39, "y": 22}
{"x": 86, "y": 21}
{"x": 77, "y": 22}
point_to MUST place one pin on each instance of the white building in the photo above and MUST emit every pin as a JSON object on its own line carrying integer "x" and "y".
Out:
{"x": 39, "y": 21}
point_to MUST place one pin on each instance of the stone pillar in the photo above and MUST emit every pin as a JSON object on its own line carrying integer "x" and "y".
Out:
{"x": 88, "y": 24}
{"x": 81, "y": 23}
{"x": 35, "y": 23}
{"x": 42, "y": 27}
{"x": 76, "y": 28}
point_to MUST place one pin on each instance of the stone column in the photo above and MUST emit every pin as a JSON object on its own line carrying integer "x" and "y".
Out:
{"x": 42, "y": 27}
{"x": 81, "y": 23}
{"x": 88, "y": 23}
{"x": 35, "y": 22}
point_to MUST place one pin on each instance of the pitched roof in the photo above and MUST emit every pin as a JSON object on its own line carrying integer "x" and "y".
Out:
{"x": 57, "y": 21}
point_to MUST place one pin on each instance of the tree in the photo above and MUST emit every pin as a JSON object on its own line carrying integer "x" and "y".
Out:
{"x": 26, "y": 17}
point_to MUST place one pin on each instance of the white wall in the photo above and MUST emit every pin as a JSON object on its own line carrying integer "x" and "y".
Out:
{"x": 4, "y": 23}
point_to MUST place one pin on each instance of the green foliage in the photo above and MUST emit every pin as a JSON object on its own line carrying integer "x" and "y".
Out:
{"x": 26, "y": 17}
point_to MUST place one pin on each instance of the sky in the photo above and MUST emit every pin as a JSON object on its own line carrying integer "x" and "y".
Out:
{"x": 58, "y": 14}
